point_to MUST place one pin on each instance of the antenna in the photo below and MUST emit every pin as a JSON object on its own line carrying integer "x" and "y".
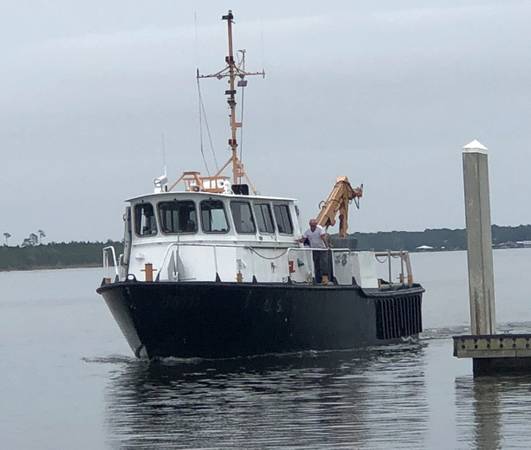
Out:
{"x": 163, "y": 148}
{"x": 162, "y": 181}
{"x": 231, "y": 71}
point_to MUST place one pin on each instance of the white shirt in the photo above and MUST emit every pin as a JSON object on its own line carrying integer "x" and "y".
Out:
{"x": 315, "y": 237}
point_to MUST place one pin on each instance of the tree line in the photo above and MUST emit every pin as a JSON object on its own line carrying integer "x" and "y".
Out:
{"x": 54, "y": 255}
{"x": 32, "y": 239}
{"x": 439, "y": 239}
{"x": 89, "y": 254}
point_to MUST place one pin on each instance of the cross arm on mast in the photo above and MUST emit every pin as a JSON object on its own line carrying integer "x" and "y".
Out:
{"x": 219, "y": 75}
{"x": 242, "y": 73}
{"x": 224, "y": 74}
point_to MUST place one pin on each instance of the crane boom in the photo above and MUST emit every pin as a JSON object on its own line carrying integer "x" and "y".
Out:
{"x": 337, "y": 203}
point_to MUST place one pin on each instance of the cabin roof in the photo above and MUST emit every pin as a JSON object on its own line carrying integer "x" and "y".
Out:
{"x": 188, "y": 194}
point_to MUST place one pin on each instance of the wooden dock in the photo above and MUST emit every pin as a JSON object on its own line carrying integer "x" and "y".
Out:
{"x": 491, "y": 353}
{"x": 495, "y": 353}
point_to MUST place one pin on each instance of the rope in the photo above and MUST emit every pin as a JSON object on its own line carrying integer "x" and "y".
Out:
{"x": 207, "y": 127}
{"x": 201, "y": 128}
{"x": 267, "y": 257}
{"x": 196, "y": 50}
{"x": 202, "y": 112}
{"x": 262, "y": 41}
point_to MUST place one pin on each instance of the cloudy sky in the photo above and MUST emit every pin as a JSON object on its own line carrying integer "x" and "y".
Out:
{"x": 385, "y": 92}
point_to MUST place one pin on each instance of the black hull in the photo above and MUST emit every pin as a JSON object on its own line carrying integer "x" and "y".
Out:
{"x": 216, "y": 320}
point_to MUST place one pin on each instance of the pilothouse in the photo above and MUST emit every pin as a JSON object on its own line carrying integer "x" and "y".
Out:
{"x": 212, "y": 269}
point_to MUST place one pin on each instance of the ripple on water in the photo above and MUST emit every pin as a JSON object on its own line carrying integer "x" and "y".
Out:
{"x": 311, "y": 400}
{"x": 370, "y": 398}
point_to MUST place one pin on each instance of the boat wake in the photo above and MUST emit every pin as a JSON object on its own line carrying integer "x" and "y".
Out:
{"x": 111, "y": 359}
{"x": 280, "y": 358}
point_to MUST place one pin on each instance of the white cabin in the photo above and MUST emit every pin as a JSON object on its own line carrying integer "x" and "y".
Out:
{"x": 202, "y": 236}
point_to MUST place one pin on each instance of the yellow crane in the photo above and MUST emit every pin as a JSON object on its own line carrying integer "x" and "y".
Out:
{"x": 338, "y": 202}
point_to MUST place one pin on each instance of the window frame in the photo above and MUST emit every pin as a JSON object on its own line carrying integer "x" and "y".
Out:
{"x": 128, "y": 218}
{"x": 287, "y": 206}
{"x": 268, "y": 205}
{"x": 248, "y": 203}
{"x": 224, "y": 212}
{"x": 173, "y": 233}
{"x": 141, "y": 204}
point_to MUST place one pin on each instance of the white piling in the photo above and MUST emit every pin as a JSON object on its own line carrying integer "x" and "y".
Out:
{"x": 479, "y": 239}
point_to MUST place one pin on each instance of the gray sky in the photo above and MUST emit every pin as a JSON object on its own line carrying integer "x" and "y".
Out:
{"x": 385, "y": 92}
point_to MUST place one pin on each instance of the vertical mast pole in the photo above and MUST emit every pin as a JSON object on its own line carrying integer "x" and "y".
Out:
{"x": 231, "y": 71}
{"x": 232, "y": 101}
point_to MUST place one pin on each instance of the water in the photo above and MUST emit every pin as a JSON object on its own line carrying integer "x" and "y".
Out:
{"x": 69, "y": 380}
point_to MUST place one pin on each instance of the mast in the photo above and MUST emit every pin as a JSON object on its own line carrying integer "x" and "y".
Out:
{"x": 232, "y": 70}
{"x": 234, "y": 125}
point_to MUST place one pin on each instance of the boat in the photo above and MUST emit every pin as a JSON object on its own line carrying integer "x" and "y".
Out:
{"x": 212, "y": 269}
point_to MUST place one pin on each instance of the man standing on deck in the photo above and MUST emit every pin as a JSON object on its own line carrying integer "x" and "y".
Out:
{"x": 316, "y": 237}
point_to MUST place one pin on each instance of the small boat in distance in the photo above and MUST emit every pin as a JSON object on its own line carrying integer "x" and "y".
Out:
{"x": 215, "y": 270}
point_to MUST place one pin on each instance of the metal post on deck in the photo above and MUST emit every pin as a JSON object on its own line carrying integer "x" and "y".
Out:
{"x": 479, "y": 239}
{"x": 389, "y": 269}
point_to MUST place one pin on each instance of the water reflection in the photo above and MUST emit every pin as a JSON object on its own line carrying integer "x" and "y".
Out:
{"x": 351, "y": 399}
{"x": 493, "y": 411}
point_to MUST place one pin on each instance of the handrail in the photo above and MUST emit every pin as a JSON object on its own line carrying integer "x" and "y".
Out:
{"x": 404, "y": 259}
{"x": 286, "y": 251}
{"x": 405, "y": 263}
{"x": 106, "y": 262}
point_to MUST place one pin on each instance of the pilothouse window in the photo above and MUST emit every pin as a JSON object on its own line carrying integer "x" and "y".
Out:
{"x": 145, "y": 223}
{"x": 264, "y": 219}
{"x": 213, "y": 217}
{"x": 283, "y": 218}
{"x": 243, "y": 217}
{"x": 178, "y": 217}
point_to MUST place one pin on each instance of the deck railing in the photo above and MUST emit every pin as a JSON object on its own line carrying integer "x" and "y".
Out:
{"x": 341, "y": 264}
{"x": 109, "y": 251}
{"x": 405, "y": 263}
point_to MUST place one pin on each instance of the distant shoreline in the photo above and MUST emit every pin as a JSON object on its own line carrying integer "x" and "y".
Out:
{"x": 78, "y": 255}
{"x": 99, "y": 265}
{"x": 441, "y": 239}
{"x": 37, "y": 268}
{"x": 71, "y": 255}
